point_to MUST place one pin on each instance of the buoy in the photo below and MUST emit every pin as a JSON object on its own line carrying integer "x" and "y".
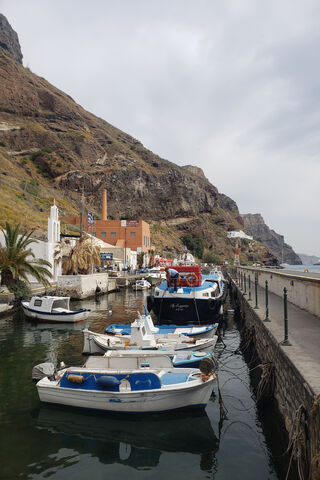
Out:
{"x": 306, "y": 270}
{"x": 75, "y": 378}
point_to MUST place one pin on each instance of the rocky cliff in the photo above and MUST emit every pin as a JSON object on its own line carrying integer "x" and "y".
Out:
{"x": 50, "y": 147}
{"x": 256, "y": 226}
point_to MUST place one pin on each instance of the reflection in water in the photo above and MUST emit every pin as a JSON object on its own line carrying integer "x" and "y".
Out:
{"x": 38, "y": 442}
{"x": 137, "y": 441}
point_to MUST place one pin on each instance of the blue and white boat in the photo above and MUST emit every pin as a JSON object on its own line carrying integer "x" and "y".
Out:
{"x": 181, "y": 359}
{"x": 136, "y": 384}
{"x": 198, "y": 299}
{"x": 142, "y": 338}
{"x": 53, "y": 309}
{"x": 206, "y": 331}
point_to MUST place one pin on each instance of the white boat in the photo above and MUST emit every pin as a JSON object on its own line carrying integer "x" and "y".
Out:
{"x": 141, "y": 284}
{"x": 202, "y": 331}
{"x": 142, "y": 338}
{"x": 181, "y": 359}
{"x": 156, "y": 276}
{"x": 134, "y": 384}
{"x": 53, "y": 309}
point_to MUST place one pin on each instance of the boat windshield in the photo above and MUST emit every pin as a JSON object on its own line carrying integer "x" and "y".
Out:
{"x": 60, "y": 303}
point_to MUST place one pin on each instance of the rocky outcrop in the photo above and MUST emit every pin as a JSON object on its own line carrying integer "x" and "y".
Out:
{"x": 50, "y": 147}
{"x": 255, "y": 226}
{"x": 9, "y": 41}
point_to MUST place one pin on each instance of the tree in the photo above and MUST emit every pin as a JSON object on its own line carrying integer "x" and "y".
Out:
{"x": 83, "y": 256}
{"x": 194, "y": 243}
{"x": 17, "y": 261}
{"x": 210, "y": 257}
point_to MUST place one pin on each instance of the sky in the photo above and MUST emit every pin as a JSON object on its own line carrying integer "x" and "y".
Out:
{"x": 231, "y": 86}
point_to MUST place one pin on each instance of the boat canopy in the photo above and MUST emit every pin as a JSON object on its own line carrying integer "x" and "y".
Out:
{"x": 49, "y": 304}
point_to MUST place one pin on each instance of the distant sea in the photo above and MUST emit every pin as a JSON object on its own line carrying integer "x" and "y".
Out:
{"x": 301, "y": 268}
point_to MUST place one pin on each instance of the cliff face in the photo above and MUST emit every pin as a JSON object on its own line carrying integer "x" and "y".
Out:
{"x": 9, "y": 40}
{"x": 256, "y": 227}
{"x": 50, "y": 147}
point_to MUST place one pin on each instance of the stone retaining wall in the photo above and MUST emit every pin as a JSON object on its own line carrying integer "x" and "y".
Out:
{"x": 84, "y": 286}
{"x": 291, "y": 391}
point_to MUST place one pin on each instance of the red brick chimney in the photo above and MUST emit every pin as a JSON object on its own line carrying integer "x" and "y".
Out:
{"x": 104, "y": 215}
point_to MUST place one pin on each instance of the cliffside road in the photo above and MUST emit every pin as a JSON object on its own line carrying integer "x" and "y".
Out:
{"x": 304, "y": 333}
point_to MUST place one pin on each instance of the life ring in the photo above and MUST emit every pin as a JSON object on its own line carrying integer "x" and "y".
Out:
{"x": 191, "y": 280}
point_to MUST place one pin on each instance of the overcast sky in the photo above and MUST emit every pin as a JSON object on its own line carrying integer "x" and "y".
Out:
{"x": 231, "y": 86}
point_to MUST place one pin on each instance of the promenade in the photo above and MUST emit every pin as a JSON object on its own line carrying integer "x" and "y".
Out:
{"x": 303, "y": 328}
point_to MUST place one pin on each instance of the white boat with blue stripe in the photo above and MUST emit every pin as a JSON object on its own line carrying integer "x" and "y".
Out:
{"x": 203, "y": 331}
{"x": 137, "y": 384}
{"x": 53, "y": 309}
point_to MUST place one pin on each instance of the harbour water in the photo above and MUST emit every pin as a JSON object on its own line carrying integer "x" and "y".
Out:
{"x": 38, "y": 441}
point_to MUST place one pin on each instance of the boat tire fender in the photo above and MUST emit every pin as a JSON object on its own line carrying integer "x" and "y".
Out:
{"x": 206, "y": 365}
{"x": 211, "y": 304}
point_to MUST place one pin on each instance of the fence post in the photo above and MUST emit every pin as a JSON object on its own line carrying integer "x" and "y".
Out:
{"x": 249, "y": 279}
{"x": 245, "y": 284}
{"x": 285, "y": 308}
{"x": 267, "y": 319}
{"x": 256, "y": 290}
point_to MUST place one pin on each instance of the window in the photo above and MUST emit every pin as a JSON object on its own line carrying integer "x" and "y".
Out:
{"x": 113, "y": 234}
{"x": 37, "y": 303}
{"x": 103, "y": 234}
{"x": 132, "y": 234}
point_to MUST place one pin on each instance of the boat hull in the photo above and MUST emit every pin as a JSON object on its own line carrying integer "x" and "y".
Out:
{"x": 56, "y": 317}
{"x": 185, "y": 310}
{"x": 160, "y": 400}
{"x": 99, "y": 344}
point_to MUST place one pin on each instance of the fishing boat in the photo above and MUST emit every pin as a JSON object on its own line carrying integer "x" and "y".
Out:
{"x": 197, "y": 298}
{"x": 141, "y": 284}
{"x": 181, "y": 359}
{"x": 128, "y": 385}
{"x": 205, "y": 331}
{"x": 142, "y": 338}
{"x": 156, "y": 276}
{"x": 53, "y": 309}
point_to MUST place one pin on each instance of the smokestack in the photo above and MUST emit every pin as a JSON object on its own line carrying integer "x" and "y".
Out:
{"x": 104, "y": 205}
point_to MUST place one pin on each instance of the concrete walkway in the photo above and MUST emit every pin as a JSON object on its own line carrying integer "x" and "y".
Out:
{"x": 304, "y": 334}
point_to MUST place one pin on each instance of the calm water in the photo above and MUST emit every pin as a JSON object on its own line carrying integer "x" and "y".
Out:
{"x": 41, "y": 442}
{"x": 301, "y": 268}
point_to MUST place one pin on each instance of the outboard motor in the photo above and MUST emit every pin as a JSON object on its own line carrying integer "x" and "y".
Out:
{"x": 42, "y": 370}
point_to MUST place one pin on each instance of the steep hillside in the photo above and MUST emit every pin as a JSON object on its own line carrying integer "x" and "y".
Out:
{"x": 50, "y": 147}
{"x": 255, "y": 225}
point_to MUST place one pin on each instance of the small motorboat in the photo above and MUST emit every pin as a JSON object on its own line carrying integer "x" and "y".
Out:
{"x": 156, "y": 276}
{"x": 181, "y": 359}
{"x": 141, "y": 284}
{"x": 142, "y": 338}
{"x": 205, "y": 331}
{"x": 127, "y": 384}
{"x": 53, "y": 309}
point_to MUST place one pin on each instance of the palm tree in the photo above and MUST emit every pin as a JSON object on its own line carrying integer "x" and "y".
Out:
{"x": 83, "y": 256}
{"x": 17, "y": 261}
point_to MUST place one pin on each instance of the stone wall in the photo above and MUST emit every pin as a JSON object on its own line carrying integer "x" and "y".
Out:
{"x": 303, "y": 292}
{"x": 297, "y": 403}
{"x": 84, "y": 286}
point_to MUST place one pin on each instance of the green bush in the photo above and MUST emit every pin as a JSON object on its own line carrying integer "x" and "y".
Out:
{"x": 210, "y": 257}
{"x": 2, "y": 144}
{"x": 194, "y": 243}
{"x": 20, "y": 290}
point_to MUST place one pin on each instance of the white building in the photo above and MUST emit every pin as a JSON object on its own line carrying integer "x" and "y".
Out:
{"x": 240, "y": 234}
{"x": 45, "y": 250}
